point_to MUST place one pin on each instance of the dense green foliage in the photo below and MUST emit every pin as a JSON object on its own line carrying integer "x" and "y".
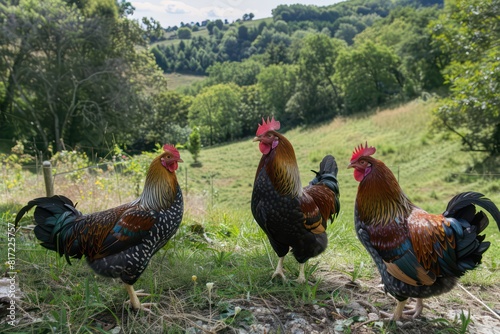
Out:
{"x": 92, "y": 84}
{"x": 470, "y": 31}
{"x": 72, "y": 75}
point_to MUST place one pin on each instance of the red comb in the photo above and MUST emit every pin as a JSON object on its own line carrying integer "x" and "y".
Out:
{"x": 171, "y": 149}
{"x": 268, "y": 126}
{"x": 361, "y": 151}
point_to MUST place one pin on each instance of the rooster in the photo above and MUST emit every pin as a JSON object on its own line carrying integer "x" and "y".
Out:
{"x": 117, "y": 242}
{"x": 418, "y": 254}
{"x": 292, "y": 216}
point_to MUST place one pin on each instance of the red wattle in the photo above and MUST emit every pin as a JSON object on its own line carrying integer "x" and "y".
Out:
{"x": 264, "y": 148}
{"x": 173, "y": 166}
{"x": 359, "y": 175}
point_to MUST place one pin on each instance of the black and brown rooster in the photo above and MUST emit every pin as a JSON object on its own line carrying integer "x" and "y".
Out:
{"x": 117, "y": 242}
{"x": 290, "y": 215}
{"x": 418, "y": 254}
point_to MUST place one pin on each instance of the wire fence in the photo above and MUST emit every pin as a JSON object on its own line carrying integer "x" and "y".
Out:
{"x": 206, "y": 185}
{"x": 190, "y": 179}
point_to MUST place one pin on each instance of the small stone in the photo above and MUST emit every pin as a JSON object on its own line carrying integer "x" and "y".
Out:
{"x": 321, "y": 312}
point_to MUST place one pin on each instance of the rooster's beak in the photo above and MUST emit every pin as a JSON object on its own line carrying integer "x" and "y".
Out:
{"x": 180, "y": 160}
{"x": 350, "y": 166}
{"x": 257, "y": 138}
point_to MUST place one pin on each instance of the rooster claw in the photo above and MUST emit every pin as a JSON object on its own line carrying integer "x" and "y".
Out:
{"x": 399, "y": 313}
{"x": 279, "y": 270}
{"x": 280, "y": 274}
{"x": 146, "y": 307}
{"x": 141, "y": 293}
{"x": 134, "y": 300}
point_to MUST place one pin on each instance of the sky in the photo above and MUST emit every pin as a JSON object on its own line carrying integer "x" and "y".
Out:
{"x": 173, "y": 12}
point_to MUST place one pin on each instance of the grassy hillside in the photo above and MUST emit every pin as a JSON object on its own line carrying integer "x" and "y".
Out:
{"x": 219, "y": 242}
{"x": 203, "y": 32}
{"x": 176, "y": 80}
{"x": 431, "y": 167}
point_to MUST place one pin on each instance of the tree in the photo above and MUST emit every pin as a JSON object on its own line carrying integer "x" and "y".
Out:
{"x": 252, "y": 109}
{"x": 214, "y": 111}
{"x": 166, "y": 121}
{"x": 72, "y": 76}
{"x": 241, "y": 73}
{"x": 194, "y": 146}
{"x": 276, "y": 85}
{"x": 346, "y": 32}
{"x": 210, "y": 27}
{"x": 368, "y": 75}
{"x": 469, "y": 30}
{"x": 317, "y": 97}
{"x": 184, "y": 33}
{"x": 406, "y": 32}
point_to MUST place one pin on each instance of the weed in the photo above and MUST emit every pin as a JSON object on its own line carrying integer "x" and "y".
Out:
{"x": 464, "y": 322}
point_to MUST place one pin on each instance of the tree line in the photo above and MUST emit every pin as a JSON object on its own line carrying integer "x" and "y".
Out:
{"x": 81, "y": 75}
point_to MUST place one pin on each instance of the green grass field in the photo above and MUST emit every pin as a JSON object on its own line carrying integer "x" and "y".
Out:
{"x": 219, "y": 242}
{"x": 176, "y": 80}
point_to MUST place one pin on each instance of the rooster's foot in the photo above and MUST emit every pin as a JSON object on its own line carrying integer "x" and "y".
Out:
{"x": 134, "y": 299}
{"x": 417, "y": 310}
{"x": 279, "y": 270}
{"x": 146, "y": 307}
{"x": 279, "y": 273}
{"x": 399, "y": 313}
{"x": 141, "y": 293}
{"x": 302, "y": 277}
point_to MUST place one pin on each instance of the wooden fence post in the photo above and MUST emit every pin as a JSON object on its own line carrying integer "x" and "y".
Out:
{"x": 47, "y": 177}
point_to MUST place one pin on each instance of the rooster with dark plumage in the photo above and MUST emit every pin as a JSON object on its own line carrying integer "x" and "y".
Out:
{"x": 290, "y": 215}
{"x": 117, "y": 242}
{"x": 418, "y": 254}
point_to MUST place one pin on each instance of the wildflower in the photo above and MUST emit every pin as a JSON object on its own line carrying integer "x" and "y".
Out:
{"x": 210, "y": 286}
{"x": 194, "y": 278}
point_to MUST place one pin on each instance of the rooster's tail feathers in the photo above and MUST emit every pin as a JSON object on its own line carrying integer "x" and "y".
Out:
{"x": 327, "y": 175}
{"x": 54, "y": 217}
{"x": 460, "y": 207}
{"x": 328, "y": 165}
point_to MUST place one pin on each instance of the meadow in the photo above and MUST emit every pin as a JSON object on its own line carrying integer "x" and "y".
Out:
{"x": 219, "y": 242}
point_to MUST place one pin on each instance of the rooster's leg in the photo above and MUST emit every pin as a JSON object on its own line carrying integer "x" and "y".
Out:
{"x": 279, "y": 269}
{"x": 302, "y": 277}
{"x": 134, "y": 299}
{"x": 417, "y": 310}
{"x": 398, "y": 312}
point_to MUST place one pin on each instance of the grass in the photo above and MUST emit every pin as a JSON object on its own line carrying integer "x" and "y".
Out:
{"x": 218, "y": 241}
{"x": 176, "y": 80}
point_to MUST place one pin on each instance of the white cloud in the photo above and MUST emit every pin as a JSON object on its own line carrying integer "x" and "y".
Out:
{"x": 173, "y": 9}
{"x": 173, "y": 12}
{"x": 170, "y": 13}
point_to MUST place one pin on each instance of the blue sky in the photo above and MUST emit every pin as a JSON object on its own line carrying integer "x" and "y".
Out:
{"x": 173, "y": 12}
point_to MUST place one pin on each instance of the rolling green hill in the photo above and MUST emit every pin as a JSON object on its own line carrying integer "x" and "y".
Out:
{"x": 431, "y": 166}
